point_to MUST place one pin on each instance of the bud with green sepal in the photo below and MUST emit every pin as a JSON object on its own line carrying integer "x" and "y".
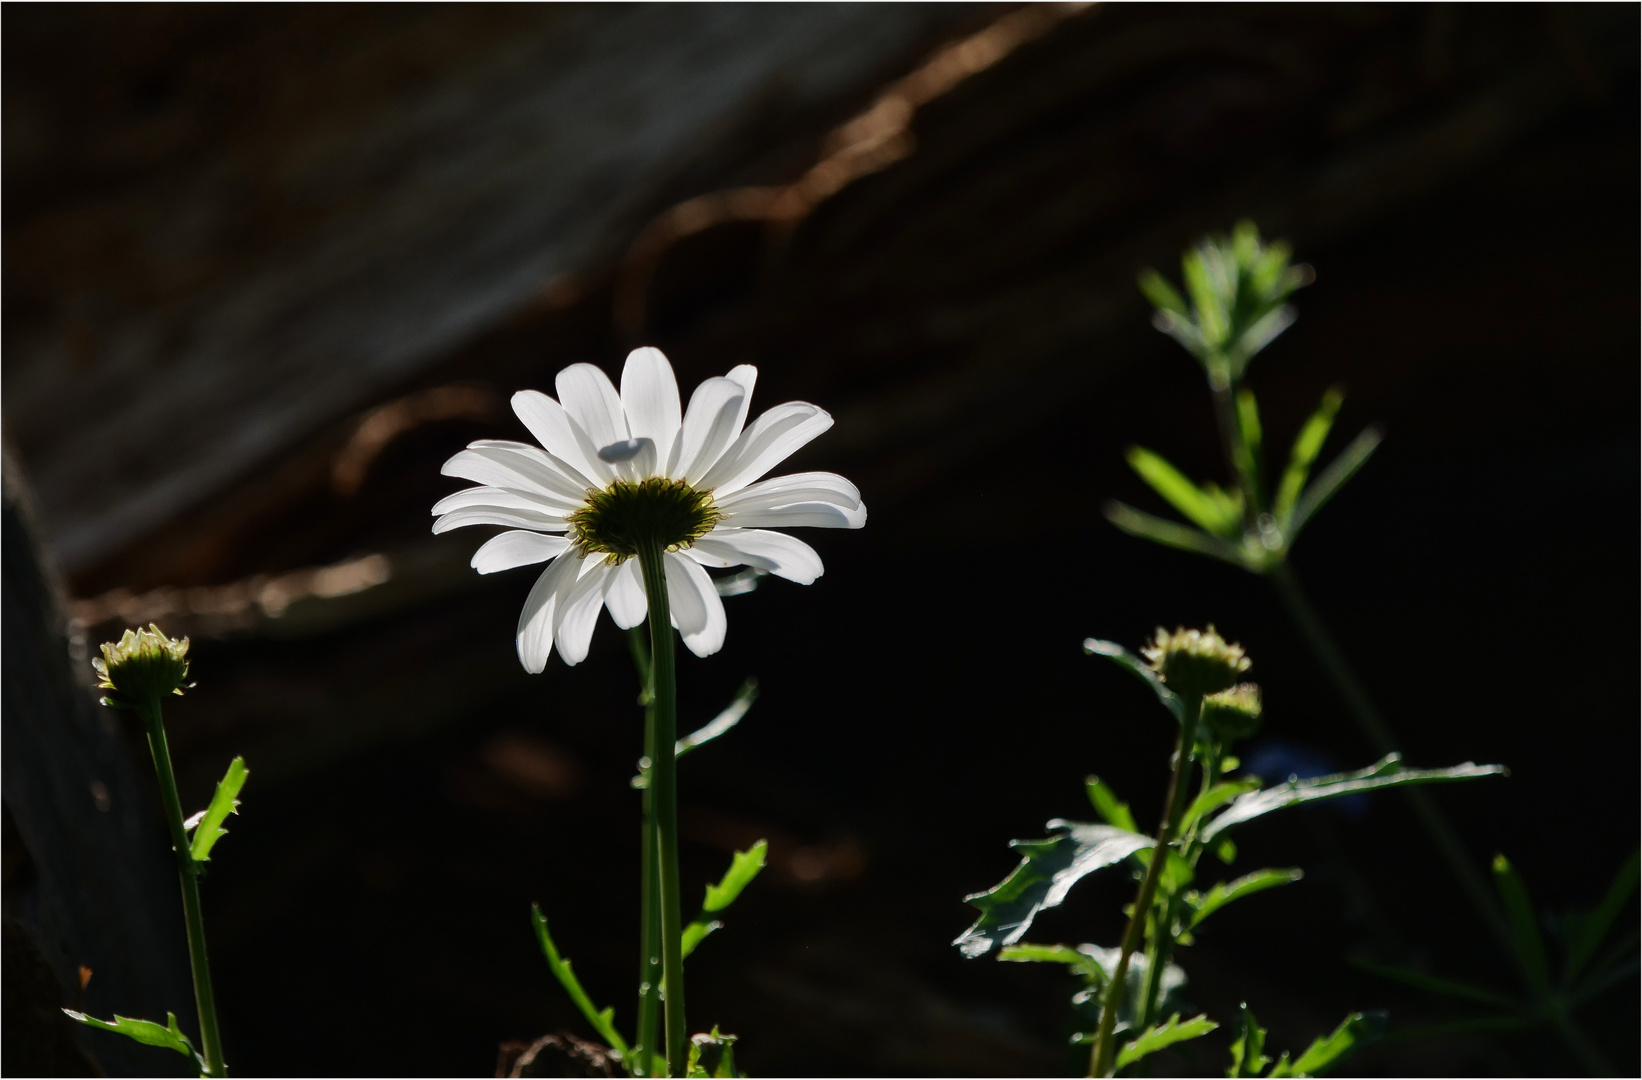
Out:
{"x": 142, "y": 667}
{"x": 1195, "y": 663}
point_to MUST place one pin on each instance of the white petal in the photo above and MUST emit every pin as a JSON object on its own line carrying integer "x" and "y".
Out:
{"x": 780, "y": 554}
{"x": 771, "y": 439}
{"x": 579, "y": 610}
{"x": 592, "y": 402}
{"x": 793, "y": 488}
{"x": 819, "y": 514}
{"x": 649, "y": 397}
{"x": 499, "y": 515}
{"x": 518, "y": 467}
{"x": 697, "y": 610}
{"x": 624, "y": 595}
{"x": 636, "y": 457}
{"x": 746, "y": 377}
{"x": 709, "y": 427}
{"x": 498, "y": 497}
{"x": 551, "y": 427}
{"x": 535, "y": 636}
{"x": 517, "y": 548}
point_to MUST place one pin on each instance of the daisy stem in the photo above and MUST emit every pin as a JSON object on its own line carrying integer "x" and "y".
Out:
{"x": 663, "y": 790}
{"x": 644, "y": 1045}
{"x": 1174, "y": 804}
{"x": 189, "y": 872}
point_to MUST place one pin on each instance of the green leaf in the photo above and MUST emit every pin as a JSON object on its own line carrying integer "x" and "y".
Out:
{"x": 1434, "y": 984}
{"x": 1216, "y": 797}
{"x": 744, "y": 866}
{"x": 1248, "y": 427}
{"x": 1525, "y": 935}
{"x": 1205, "y": 277}
{"x": 1076, "y": 959}
{"x": 1594, "y": 927}
{"x": 711, "y": 1055}
{"x": 1209, "y": 508}
{"x": 1045, "y": 875}
{"x": 1225, "y": 850}
{"x": 724, "y": 721}
{"x": 209, "y": 828}
{"x": 1139, "y": 668}
{"x": 1172, "y": 534}
{"x": 1163, "y": 296}
{"x": 1355, "y": 1032}
{"x": 1388, "y": 772}
{"x": 1332, "y": 479}
{"x": 1307, "y": 445}
{"x": 1105, "y": 801}
{"x": 603, "y": 1020}
{"x": 1158, "y": 1036}
{"x": 1222, "y": 894}
{"x": 1248, "y": 1055}
{"x": 146, "y": 1032}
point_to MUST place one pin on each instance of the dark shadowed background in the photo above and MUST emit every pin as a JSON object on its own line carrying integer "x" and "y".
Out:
{"x": 267, "y": 267}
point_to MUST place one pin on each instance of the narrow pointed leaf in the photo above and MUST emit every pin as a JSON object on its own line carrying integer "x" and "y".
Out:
{"x": 1247, "y": 885}
{"x": 1163, "y": 295}
{"x": 147, "y": 1032}
{"x": 744, "y": 866}
{"x": 1158, "y": 1036}
{"x": 1047, "y": 872}
{"x": 1332, "y": 479}
{"x": 1171, "y": 533}
{"x": 1248, "y": 1056}
{"x": 1216, "y": 797}
{"x": 1200, "y": 507}
{"x": 602, "y": 1020}
{"x": 1106, "y": 803}
{"x": 1307, "y": 445}
{"x": 696, "y": 933}
{"x": 1525, "y": 935}
{"x": 1595, "y": 926}
{"x": 226, "y": 801}
{"x": 1252, "y": 442}
{"x": 1139, "y": 668}
{"x": 1435, "y": 984}
{"x": 724, "y": 721}
{"x": 1079, "y": 961}
{"x": 1388, "y": 772}
{"x": 1326, "y": 1052}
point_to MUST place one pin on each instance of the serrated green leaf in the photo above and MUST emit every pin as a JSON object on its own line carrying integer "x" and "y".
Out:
{"x": 1224, "y": 893}
{"x": 711, "y": 1055}
{"x": 1047, "y": 872}
{"x": 1106, "y": 803}
{"x": 1332, "y": 479}
{"x": 1079, "y": 961}
{"x": 1172, "y": 533}
{"x": 602, "y": 1020}
{"x": 1204, "y": 507}
{"x": 1307, "y": 445}
{"x": 1594, "y": 927}
{"x": 1434, "y": 984}
{"x": 1216, "y": 797}
{"x": 1163, "y": 295}
{"x": 1158, "y": 1036}
{"x": 696, "y": 933}
{"x": 1248, "y": 1055}
{"x": 744, "y": 866}
{"x": 1387, "y": 772}
{"x": 724, "y": 721}
{"x": 1525, "y": 936}
{"x": 147, "y": 1032}
{"x": 1355, "y": 1032}
{"x": 226, "y": 801}
{"x": 1139, "y": 668}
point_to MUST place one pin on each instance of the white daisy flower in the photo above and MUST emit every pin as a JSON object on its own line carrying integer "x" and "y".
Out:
{"x": 612, "y": 467}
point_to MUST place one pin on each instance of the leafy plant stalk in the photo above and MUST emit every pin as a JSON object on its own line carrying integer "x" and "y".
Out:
{"x": 644, "y": 1045}
{"x": 663, "y": 790}
{"x": 188, "y": 870}
{"x": 1174, "y": 803}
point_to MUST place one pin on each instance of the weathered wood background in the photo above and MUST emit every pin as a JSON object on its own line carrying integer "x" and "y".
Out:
{"x": 266, "y": 267}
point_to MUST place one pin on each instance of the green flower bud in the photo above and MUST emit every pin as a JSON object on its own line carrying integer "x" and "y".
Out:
{"x": 145, "y": 665}
{"x": 1195, "y": 662}
{"x": 1233, "y": 714}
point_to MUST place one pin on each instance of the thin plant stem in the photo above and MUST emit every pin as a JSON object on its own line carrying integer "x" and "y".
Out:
{"x": 649, "y": 891}
{"x": 1174, "y": 804}
{"x": 663, "y": 789}
{"x": 1231, "y": 437}
{"x": 188, "y": 871}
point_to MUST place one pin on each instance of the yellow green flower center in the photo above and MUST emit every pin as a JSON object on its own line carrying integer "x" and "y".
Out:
{"x": 614, "y": 521}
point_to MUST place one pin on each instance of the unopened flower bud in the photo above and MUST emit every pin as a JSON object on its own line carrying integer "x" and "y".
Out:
{"x": 1195, "y": 662}
{"x": 1233, "y": 714}
{"x": 143, "y": 666}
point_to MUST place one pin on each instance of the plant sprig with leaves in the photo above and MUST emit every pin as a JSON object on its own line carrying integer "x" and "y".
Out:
{"x": 1129, "y": 989}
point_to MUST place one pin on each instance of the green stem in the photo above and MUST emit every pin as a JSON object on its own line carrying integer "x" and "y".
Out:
{"x": 650, "y": 895}
{"x": 663, "y": 789}
{"x": 188, "y": 871}
{"x": 1174, "y": 804}
{"x": 1380, "y": 737}
{"x": 1231, "y": 436}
